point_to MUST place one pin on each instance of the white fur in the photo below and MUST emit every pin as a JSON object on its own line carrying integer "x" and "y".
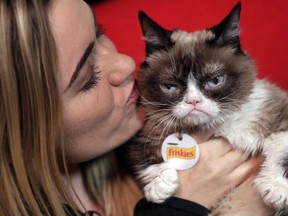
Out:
{"x": 161, "y": 182}
{"x": 270, "y": 182}
{"x": 153, "y": 38}
{"x": 208, "y": 108}
{"x": 238, "y": 129}
{"x": 191, "y": 37}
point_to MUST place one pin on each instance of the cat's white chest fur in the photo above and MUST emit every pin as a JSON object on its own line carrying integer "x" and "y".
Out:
{"x": 245, "y": 131}
{"x": 239, "y": 129}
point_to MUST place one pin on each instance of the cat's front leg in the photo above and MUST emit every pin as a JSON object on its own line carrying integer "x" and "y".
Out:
{"x": 272, "y": 180}
{"x": 160, "y": 182}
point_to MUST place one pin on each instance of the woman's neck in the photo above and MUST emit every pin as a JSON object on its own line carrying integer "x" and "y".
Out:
{"x": 88, "y": 203}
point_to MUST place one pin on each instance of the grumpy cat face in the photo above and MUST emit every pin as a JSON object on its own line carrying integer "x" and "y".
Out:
{"x": 194, "y": 79}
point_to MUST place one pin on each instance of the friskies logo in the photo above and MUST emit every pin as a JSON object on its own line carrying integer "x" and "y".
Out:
{"x": 182, "y": 153}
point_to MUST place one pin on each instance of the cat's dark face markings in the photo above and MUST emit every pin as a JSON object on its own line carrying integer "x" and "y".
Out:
{"x": 197, "y": 78}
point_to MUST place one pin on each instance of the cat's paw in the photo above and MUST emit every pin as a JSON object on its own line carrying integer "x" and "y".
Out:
{"x": 273, "y": 191}
{"x": 162, "y": 186}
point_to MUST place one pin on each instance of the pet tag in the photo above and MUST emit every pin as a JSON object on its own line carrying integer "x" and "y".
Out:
{"x": 181, "y": 150}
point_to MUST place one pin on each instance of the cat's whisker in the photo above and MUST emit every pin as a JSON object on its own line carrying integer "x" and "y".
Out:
{"x": 145, "y": 100}
{"x": 154, "y": 113}
{"x": 226, "y": 110}
{"x": 167, "y": 127}
{"x": 153, "y": 103}
{"x": 230, "y": 98}
{"x": 171, "y": 103}
{"x": 154, "y": 125}
{"x": 165, "y": 120}
{"x": 173, "y": 63}
{"x": 162, "y": 111}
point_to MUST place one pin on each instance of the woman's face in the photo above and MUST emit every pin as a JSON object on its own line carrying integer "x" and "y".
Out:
{"x": 96, "y": 82}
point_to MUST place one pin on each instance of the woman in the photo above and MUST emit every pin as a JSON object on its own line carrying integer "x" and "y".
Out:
{"x": 67, "y": 97}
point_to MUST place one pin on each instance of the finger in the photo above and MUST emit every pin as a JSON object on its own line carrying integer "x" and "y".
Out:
{"x": 244, "y": 171}
{"x": 257, "y": 161}
{"x": 233, "y": 159}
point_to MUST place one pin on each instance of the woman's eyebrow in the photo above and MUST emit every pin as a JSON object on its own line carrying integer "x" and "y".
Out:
{"x": 80, "y": 64}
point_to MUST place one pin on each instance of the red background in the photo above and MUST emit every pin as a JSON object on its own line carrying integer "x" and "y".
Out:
{"x": 264, "y": 32}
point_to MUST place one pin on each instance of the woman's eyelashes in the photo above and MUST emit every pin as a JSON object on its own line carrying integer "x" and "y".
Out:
{"x": 92, "y": 82}
{"x": 100, "y": 30}
{"x": 93, "y": 79}
{"x": 93, "y": 68}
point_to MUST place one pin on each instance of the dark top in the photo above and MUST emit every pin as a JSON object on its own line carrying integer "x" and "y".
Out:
{"x": 172, "y": 207}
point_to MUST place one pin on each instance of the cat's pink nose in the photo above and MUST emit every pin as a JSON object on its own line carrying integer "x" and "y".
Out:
{"x": 193, "y": 101}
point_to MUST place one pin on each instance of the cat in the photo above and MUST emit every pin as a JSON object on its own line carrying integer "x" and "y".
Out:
{"x": 203, "y": 80}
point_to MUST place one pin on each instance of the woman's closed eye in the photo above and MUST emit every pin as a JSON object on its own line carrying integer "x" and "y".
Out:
{"x": 93, "y": 68}
{"x": 92, "y": 82}
{"x": 94, "y": 72}
{"x": 94, "y": 77}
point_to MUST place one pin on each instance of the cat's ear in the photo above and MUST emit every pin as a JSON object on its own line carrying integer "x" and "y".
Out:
{"x": 156, "y": 37}
{"x": 227, "y": 31}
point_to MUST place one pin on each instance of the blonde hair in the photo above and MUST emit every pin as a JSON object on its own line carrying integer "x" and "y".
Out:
{"x": 31, "y": 133}
{"x": 30, "y": 112}
{"x": 112, "y": 186}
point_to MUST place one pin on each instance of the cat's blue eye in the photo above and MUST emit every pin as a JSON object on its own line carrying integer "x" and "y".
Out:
{"x": 215, "y": 82}
{"x": 169, "y": 88}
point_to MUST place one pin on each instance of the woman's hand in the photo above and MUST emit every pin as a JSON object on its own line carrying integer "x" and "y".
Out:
{"x": 219, "y": 169}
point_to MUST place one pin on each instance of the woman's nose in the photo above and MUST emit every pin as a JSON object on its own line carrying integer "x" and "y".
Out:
{"x": 122, "y": 69}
